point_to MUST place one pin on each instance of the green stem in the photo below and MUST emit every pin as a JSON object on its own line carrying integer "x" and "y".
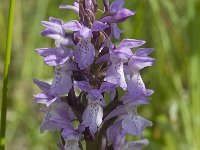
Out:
{"x": 6, "y": 73}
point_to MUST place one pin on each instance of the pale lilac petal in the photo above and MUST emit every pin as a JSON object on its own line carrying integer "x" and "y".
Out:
{"x": 92, "y": 116}
{"x": 129, "y": 99}
{"x": 116, "y": 31}
{"x": 74, "y": 8}
{"x": 51, "y": 115}
{"x": 130, "y": 43}
{"x": 46, "y": 51}
{"x": 62, "y": 82}
{"x": 55, "y": 20}
{"x": 73, "y": 25}
{"x": 70, "y": 134}
{"x": 120, "y": 110}
{"x": 107, "y": 86}
{"x": 138, "y": 63}
{"x": 84, "y": 86}
{"x": 108, "y": 19}
{"x": 136, "y": 145}
{"x": 149, "y": 92}
{"x": 116, "y": 5}
{"x": 84, "y": 54}
{"x": 115, "y": 74}
{"x": 135, "y": 125}
{"x": 136, "y": 87}
{"x": 94, "y": 95}
{"x": 42, "y": 85}
{"x": 115, "y": 134}
{"x": 99, "y": 26}
{"x": 50, "y": 34}
{"x": 85, "y": 32}
{"x": 45, "y": 98}
{"x": 65, "y": 41}
{"x": 122, "y": 15}
{"x": 71, "y": 145}
{"x": 53, "y": 27}
{"x": 142, "y": 52}
{"x": 102, "y": 59}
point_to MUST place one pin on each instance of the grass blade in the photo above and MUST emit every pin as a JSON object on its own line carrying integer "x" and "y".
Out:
{"x": 6, "y": 73}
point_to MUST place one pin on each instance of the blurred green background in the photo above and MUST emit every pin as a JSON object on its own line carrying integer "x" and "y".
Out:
{"x": 172, "y": 27}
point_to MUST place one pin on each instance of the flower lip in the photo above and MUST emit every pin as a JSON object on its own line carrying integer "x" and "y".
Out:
{"x": 94, "y": 95}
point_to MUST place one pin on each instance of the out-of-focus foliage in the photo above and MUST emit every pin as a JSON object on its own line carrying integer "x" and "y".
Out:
{"x": 170, "y": 26}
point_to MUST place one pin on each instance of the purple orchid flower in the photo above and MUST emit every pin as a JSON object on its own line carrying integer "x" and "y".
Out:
{"x": 44, "y": 97}
{"x": 57, "y": 115}
{"x": 87, "y": 55}
{"x": 85, "y": 52}
{"x": 115, "y": 73}
{"x": 55, "y": 31}
{"x": 61, "y": 84}
{"x": 92, "y": 116}
{"x": 117, "y": 136}
{"x": 128, "y": 122}
{"x": 71, "y": 137}
{"x": 55, "y": 56}
{"x": 118, "y": 14}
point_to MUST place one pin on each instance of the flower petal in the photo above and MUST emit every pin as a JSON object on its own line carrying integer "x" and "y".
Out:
{"x": 92, "y": 116}
{"x": 107, "y": 86}
{"x": 84, "y": 54}
{"x": 84, "y": 86}
{"x": 120, "y": 110}
{"x": 129, "y": 43}
{"x": 136, "y": 145}
{"x": 122, "y": 15}
{"x": 62, "y": 82}
{"x": 115, "y": 74}
{"x": 116, "y": 31}
{"x": 75, "y": 8}
{"x": 143, "y": 52}
{"x": 52, "y": 114}
{"x": 99, "y": 26}
{"x": 135, "y": 125}
{"x": 45, "y": 98}
{"x": 42, "y": 85}
{"x": 116, "y": 5}
{"x": 73, "y": 25}
{"x": 46, "y": 51}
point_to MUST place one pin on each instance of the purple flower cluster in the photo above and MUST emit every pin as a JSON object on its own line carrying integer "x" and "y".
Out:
{"x": 87, "y": 67}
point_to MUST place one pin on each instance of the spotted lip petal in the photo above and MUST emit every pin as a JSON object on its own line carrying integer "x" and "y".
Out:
{"x": 84, "y": 54}
{"x": 53, "y": 120}
{"x": 135, "y": 125}
{"x": 115, "y": 74}
{"x": 92, "y": 116}
{"x": 115, "y": 134}
{"x": 62, "y": 82}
